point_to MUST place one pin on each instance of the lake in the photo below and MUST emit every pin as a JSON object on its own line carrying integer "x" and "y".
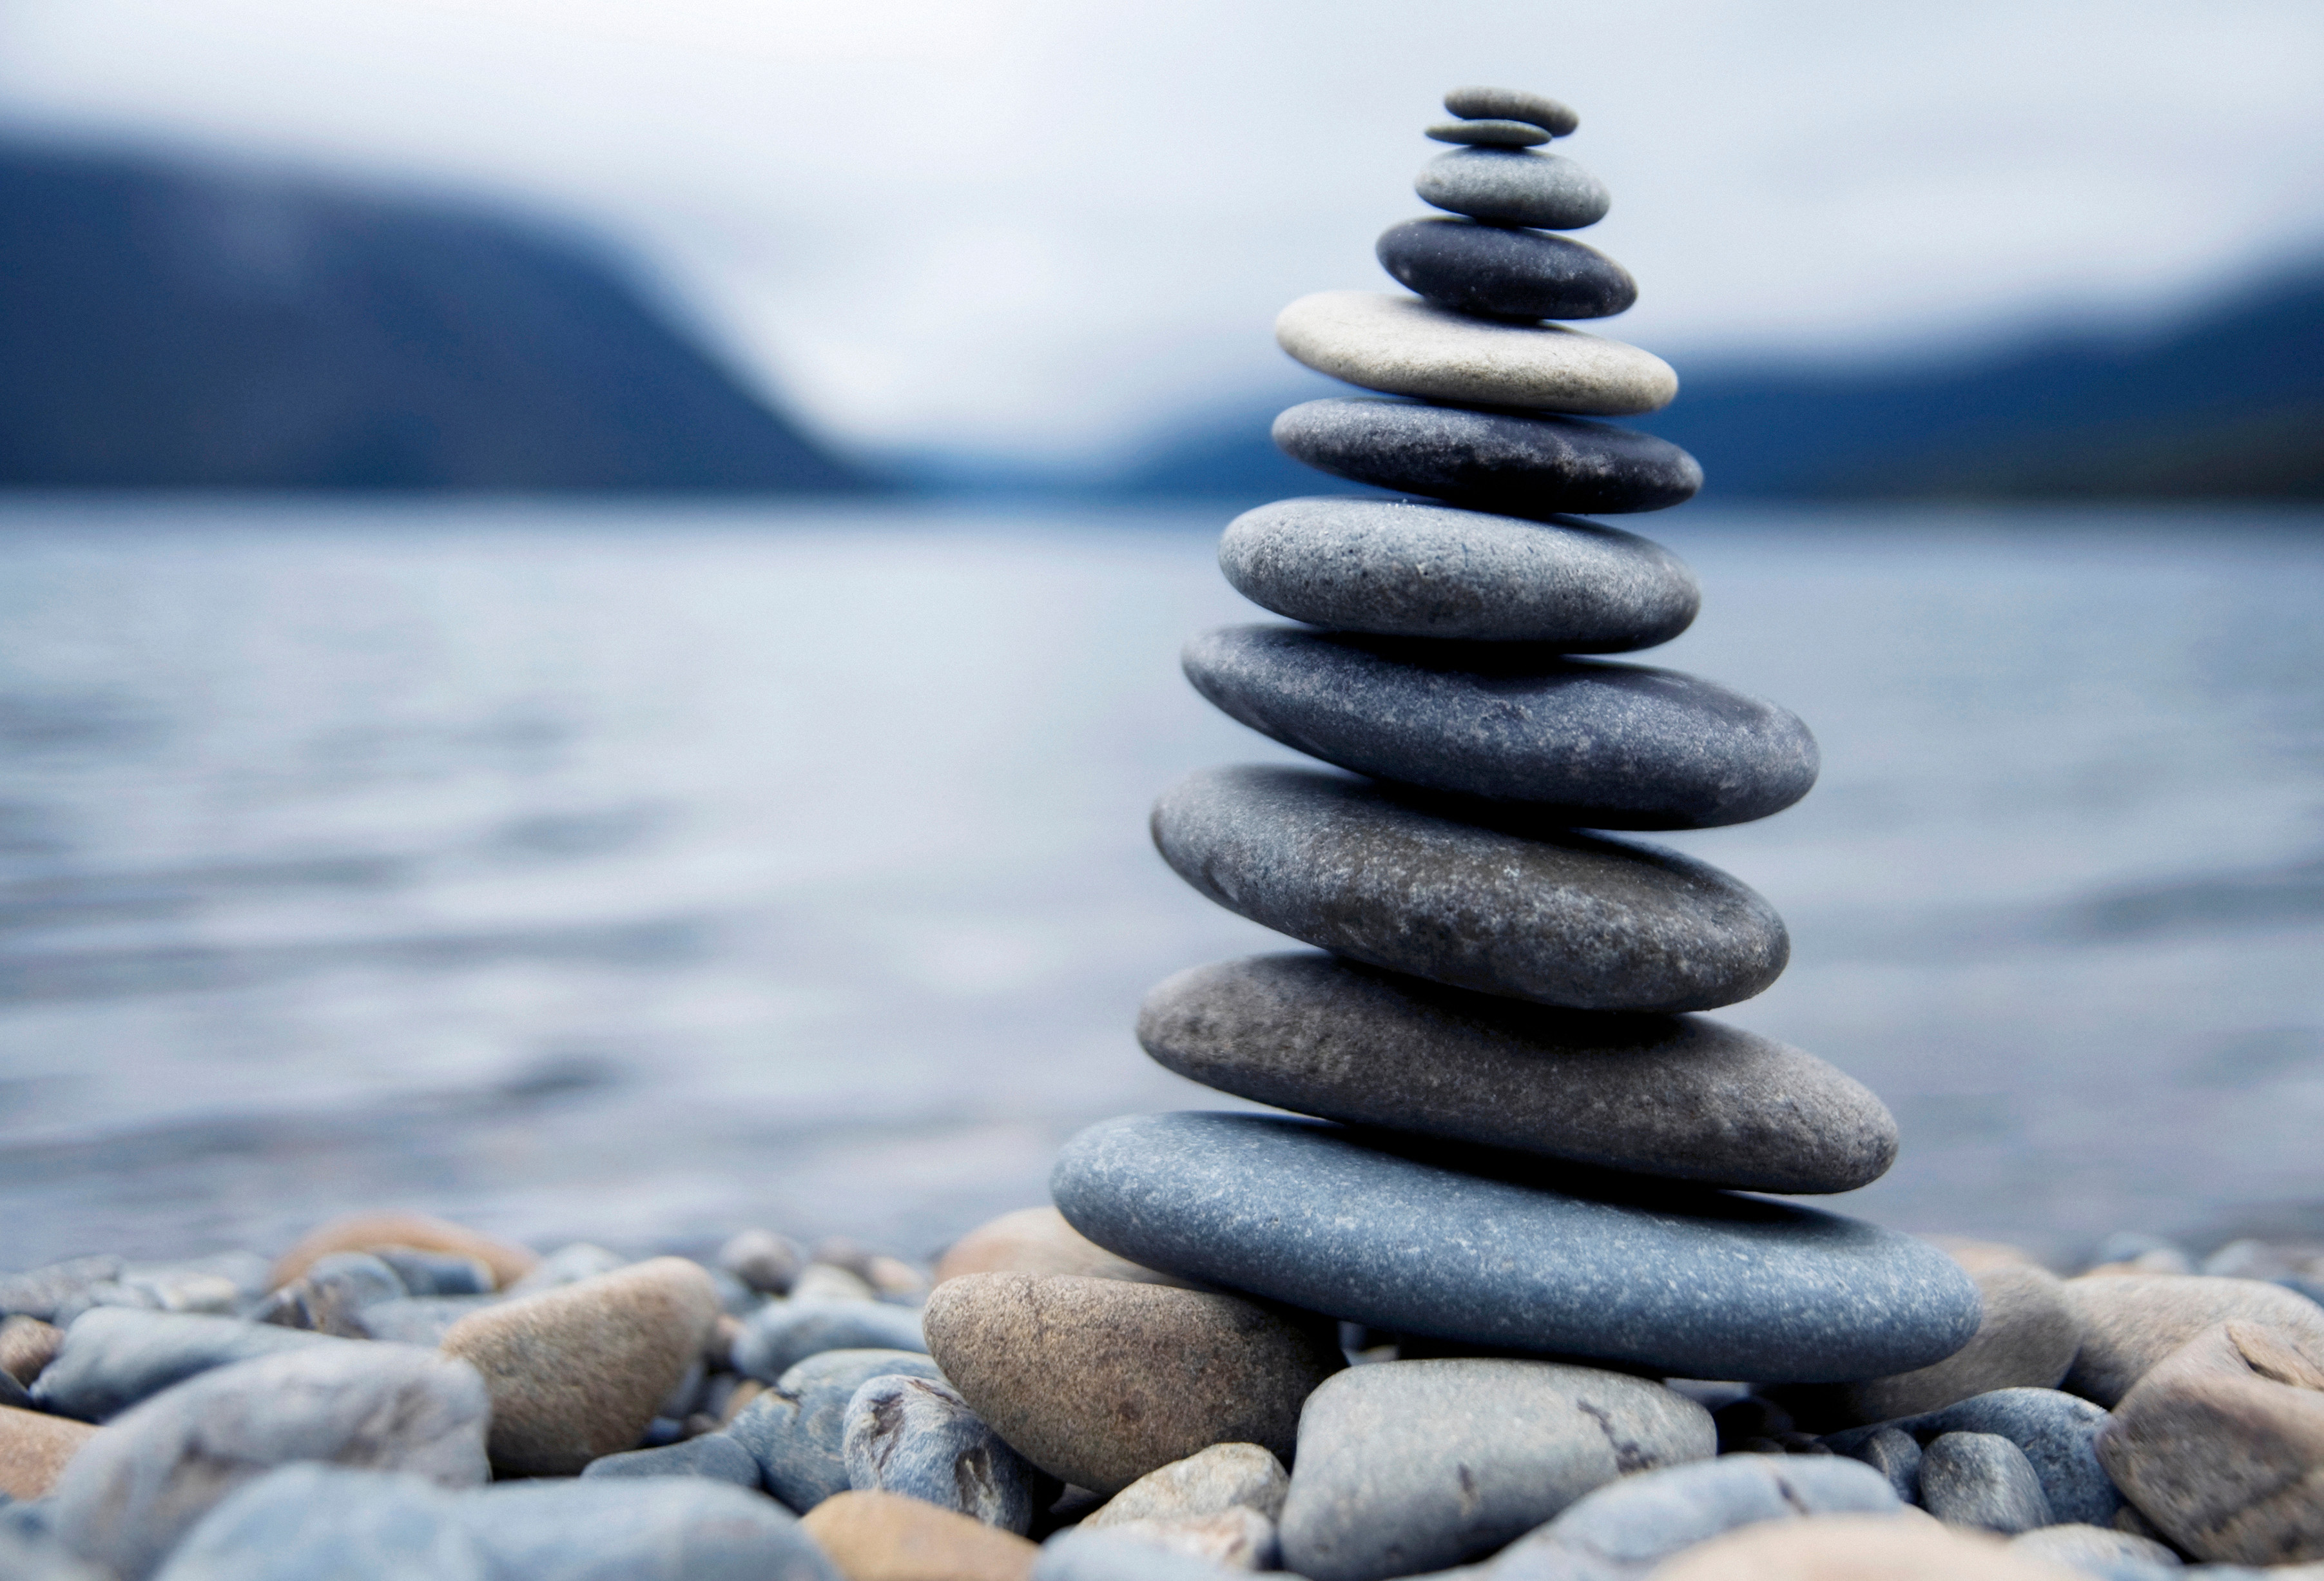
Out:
{"x": 639, "y": 872}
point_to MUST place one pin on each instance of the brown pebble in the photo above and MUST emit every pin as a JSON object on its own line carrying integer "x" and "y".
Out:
{"x": 361, "y": 1232}
{"x": 27, "y": 1345}
{"x": 34, "y": 1449}
{"x": 2027, "y": 1340}
{"x": 1098, "y": 1381}
{"x": 2130, "y": 1322}
{"x": 888, "y": 1536}
{"x": 576, "y": 1373}
{"x": 1977, "y": 1256}
{"x": 2221, "y": 1446}
{"x": 1904, "y": 1547}
{"x": 1038, "y": 1240}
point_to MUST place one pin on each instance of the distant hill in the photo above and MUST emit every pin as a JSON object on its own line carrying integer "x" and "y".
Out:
{"x": 167, "y": 326}
{"x": 2226, "y": 403}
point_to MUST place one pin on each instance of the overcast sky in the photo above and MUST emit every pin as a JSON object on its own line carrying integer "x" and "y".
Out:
{"x": 1039, "y": 227}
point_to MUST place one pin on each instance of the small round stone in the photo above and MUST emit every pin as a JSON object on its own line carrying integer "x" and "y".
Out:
{"x": 1578, "y": 741}
{"x": 1675, "y": 1097}
{"x": 1982, "y": 1480}
{"x": 1037, "y": 1240}
{"x": 1687, "y": 1282}
{"x": 874, "y": 1536}
{"x": 1532, "y": 466}
{"x": 1505, "y": 273}
{"x": 2056, "y": 1431}
{"x": 1490, "y": 134}
{"x": 1402, "y": 346}
{"x": 1099, "y": 1382}
{"x": 1514, "y": 186}
{"x": 1565, "y": 919}
{"x": 1513, "y": 104}
{"x": 363, "y": 1231}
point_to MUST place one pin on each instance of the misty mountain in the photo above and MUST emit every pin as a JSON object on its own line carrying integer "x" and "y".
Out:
{"x": 2228, "y": 403}
{"x": 170, "y": 326}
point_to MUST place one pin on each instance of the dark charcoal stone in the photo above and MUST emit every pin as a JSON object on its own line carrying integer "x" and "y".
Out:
{"x": 1514, "y": 186}
{"x": 1688, "y": 1282}
{"x": 1504, "y": 272}
{"x": 1489, "y": 133}
{"x": 1528, "y": 465}
{"x": 1556, "y": 919}
{"x": 1675, "y": 1097}
{"x": 1513, "y": 104}
{"x": 1399, "y": 569}
{"x": 1605, "y": 746}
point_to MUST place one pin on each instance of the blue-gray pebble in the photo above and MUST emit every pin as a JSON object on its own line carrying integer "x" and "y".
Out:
{"x": 438, "y": 1273}
{"x": 780, "y": 1335}
{"x": 1514, "y": 186}
{"x": 2057, "y": 1431}
{"x": 1528, "y": 465}
{"x": 916, "y": 1437}
{"x": 1504, "y": 272}
{"x": 712, "y": 1454}
{"x": 1694, "y": 1284}
{"x": 115, "y": 1356}
{"x": 1982, "y": 1480}
{"x": 1078, "y": 1553}
{"x": 1567, "y": 920}
{"x": 797, "y": 1429}
{"x": 1575, "y": 742}
{"x": 1392, "y": 568}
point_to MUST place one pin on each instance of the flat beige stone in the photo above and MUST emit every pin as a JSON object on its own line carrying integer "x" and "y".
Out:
{"x": 2027, "y": 1340}
{"x": 2132, "y": 1321}
{"x": 1403, "y": 345}
{"x": 1038, "y": 1240}
{"x": 576, "y": 1372}
{"x": 363, "y": 1231}
{"x": 888, "y": 1536}
{"x": 34, "y": 1449}
{"x": 27, "y": 1345}
{"x": 1908, "y": 1547}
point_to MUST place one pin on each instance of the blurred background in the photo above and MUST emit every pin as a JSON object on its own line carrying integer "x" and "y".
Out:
{"x": 589, "y": 592}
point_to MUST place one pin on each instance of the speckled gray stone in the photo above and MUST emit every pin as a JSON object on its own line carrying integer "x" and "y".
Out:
{"x": 1528, "y": 465}
{"x": 1514, "y": 186}
{"x": 1351, "y": 867}
{"x": 115, "y": 1356}
{"x": 916, "y": 1437}
{"x": 1407, "y": 1466}
{"x": 797, "y": 1429}
{"x": 1504, "y": 272}
{"x": 1403, "y": 345}
{"x": 1391, "y": 567}
{"x": 1982, "y": 1480}
{"x": 714, "y": 1455}
{"x": 1489, "y": 133}
{"x": 1674, "y": 1096}
{"x": 1688, "y": 1282}
{"x": 1513, "y": 104}
{"x": 2057, "y": 1431}
{"x": 781, "y": 1335}
{"x": 1895, "y": 1455}
{"x": 1623, "y": 1530}
{"x": 1080, "y": 1554}
{"x": 1581, "y": 743}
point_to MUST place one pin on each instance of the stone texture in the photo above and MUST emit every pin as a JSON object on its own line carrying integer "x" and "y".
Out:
{"x": 1038, "y": 1240}
{"x": 916, "y": 1437}
{"x": 28, "y": 1554}
{"x": 1513, "y": 104}
{"x": 1675, "y": 1097}
{"x": 887, "y": 1537}
{"x": 427, "y": 1273}
{"x": 362, "y": 1232}
{"x": 1077, "y": 1554}
{"x": 1402, "y": 346}
{"x": 2028, "y": 1341}
{"x": 781, "y": 1335}
{"x": 1505, "y": 273}
{"x": 1566, "y": 741}
{"x": 1982, "y": 1480}
{"x": 1514, "y": 186}
{"x": 2057, "y": 1432}
{"x": 330, "y": 1298}
{"x": 144, "y": 1480}
{"x": 2095, "y": 1550}
{"x": 1099, "y": 1382}
{"x": 1240, "y": 1539}
{"x": 304, "y": 1522}
{"x": 714, "y": 1455}
{"x": 1407, "y": 1467}
{"x": 419, "y": 1319}
{"x": 1563, "y": 918}
{"x": 1526, "y": 464}
{"x": 797, "y": 1430}
{"x": 1904, "y": 1547}
{"x": 38, "y": 1293}
{"x": 1897, "y": 1455}
{"x": 1224, "y": 1477}
{"x": 1625, "y": 1529}
{"x": 1394, "y": 569}
{"x": 764, "y": 1260}
{"x": 27, "y": 1345}
{"x": 115, "y": 1356}
{"x": 2221, "y": 1446}
{"x": 1489, "y": 133}
{"x": 34, "y": 1448}
{"x": 568, "y": 1264}
{"x": 2130, "y": 1322}
{"x": 577, "y": 1372}
{"x": 1691, "y": 1283}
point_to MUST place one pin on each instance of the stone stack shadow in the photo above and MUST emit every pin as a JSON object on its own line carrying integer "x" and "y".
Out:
{"x": 1522, "y": 1140}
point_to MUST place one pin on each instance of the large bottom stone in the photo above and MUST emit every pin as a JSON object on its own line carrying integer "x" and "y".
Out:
{"x": 1686, "y": 1282}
